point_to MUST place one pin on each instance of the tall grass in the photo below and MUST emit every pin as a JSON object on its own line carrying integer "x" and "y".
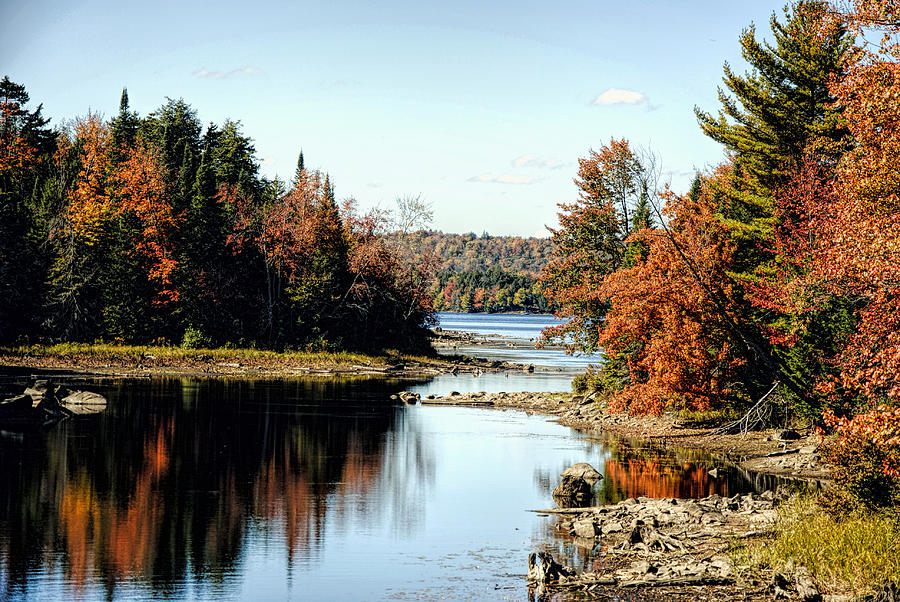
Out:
{"x": 132, "y": 353}
{"x": 845, "y": 554}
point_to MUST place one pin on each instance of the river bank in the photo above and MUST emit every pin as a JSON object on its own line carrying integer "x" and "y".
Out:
{"x": 756, "y": 451}
{"x": 131, "y": 361}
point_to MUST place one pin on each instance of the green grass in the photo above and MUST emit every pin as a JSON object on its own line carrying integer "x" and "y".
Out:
{"x": 851, "y": 554}
{"x": 132, "y": 353}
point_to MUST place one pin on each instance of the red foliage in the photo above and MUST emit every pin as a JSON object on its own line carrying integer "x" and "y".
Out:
{"x": 679, "y": 349}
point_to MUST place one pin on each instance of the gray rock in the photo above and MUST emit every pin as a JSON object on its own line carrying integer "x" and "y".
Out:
{"x": 612, "y": 527}
{"x": 583, "y": 470}
{"x": 572, "y": 492}
{"x": 585, "y": 528}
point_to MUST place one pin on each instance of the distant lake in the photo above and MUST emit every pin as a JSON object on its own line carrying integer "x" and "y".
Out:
{"x": 513, "y": 337}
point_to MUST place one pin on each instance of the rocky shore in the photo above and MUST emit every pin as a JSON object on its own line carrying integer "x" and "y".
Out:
{"x": 672, "y": 549}
{"x": 776, "y": 452}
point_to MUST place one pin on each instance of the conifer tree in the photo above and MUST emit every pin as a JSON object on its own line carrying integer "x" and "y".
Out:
{"x": 123, "y": 130}
{"x": 773, "y": 114}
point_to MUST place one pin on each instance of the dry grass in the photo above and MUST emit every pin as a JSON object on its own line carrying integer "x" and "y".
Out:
{"x": 116, "y": 354}
{"x": 850, "y": 554}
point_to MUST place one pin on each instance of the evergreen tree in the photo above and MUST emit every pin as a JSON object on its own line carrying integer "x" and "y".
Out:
{"x": 24, "y": 143}
{"x": 783, "y": 104}
{"x": 301, "y": 169}
{"x": 123, "y": 130}
{"x": 773, "y": 114}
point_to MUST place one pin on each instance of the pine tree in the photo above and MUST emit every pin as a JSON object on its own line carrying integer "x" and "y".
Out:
{"x": 300, "y": 171}
{"x": 783, "y": 104}
{"x": 772, "y": 115}
{"x": 123, "y": 130}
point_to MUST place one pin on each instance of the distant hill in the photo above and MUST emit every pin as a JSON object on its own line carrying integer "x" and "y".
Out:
{"x": 471, "y": 252}
{"x": 484, "y": 273}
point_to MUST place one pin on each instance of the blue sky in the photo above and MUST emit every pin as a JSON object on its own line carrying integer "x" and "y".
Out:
{"x": 483, "y": 108}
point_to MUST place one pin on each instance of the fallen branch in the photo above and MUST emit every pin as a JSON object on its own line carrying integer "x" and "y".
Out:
{"x": 758, "y": 416}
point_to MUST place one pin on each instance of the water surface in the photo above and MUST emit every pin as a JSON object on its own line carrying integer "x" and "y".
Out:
{"x": 211, "y": 489}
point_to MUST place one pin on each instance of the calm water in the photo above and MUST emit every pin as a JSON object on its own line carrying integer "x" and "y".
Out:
{"x": 296, "y": 490}
{"x": 514, "y": 336}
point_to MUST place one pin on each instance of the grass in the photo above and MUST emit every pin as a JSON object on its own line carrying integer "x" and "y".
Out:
{"x": 851, "y": 554}
{"x": 116, "y": 353}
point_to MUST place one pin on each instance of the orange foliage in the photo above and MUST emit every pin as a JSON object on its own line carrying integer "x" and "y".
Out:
{"x": 141, "y": 184}
{"x": 90, "y": 205}
{"x": 679, "y": 349}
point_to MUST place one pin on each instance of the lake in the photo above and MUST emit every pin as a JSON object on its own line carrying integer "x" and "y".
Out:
{"x": 230, "y": 489}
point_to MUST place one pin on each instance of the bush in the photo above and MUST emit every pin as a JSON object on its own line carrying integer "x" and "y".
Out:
{"x": 195, "y": 339}
{"x": 865, "y": 454}
{"x": 590, "y": 381}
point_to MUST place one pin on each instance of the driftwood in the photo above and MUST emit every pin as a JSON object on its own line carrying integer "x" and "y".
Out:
{"x": 757, "y": 417}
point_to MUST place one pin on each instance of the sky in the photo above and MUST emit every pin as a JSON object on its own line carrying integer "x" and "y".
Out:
{"x": 482, "y": 108}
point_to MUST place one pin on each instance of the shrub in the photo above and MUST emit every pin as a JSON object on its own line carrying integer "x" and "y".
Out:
{"x": 195, "y": 339}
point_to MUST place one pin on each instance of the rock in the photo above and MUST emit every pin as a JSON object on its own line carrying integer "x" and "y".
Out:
{"x": 408, "y": 397}
{"x": 19, "y": 403}
{"x": 806, "y": 587}
{"x": 572, "y": 492}
{"x": 83, "y": 403}
{"x": 583, "y": 470}
{"x": 788, "y": 435}
{"x": 716, "y": 473}
{"x": 612, "y": 527}
{"x": 454, "y": 393}
{"x": 585, "y": 528}
{"x": 808, "y": 449}
{"x": 529, "y": 368}
{"x": 542, "y": 568}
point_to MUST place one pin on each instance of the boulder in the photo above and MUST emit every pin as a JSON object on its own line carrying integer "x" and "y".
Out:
{"x": 572, "y": 492}
{"x": 583, "y": 470}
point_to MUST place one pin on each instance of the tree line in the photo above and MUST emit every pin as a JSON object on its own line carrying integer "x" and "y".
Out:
{"x": 779, "y": 271}
{"x": 492, "y": 290}
{"x": 139, "y": 229}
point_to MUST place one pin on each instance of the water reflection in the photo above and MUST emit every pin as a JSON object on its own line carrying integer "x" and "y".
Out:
{"x": 635, "y": 468}
{"x": 214, "y": 489}
{"x": 170, "y": 482}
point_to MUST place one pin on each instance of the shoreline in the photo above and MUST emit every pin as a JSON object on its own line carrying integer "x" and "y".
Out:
{"x": 756, "y": 451}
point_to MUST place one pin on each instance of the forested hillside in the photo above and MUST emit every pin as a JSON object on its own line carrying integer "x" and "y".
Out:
{"x": 465, "y": 252}
{"x": 484, "y": 273}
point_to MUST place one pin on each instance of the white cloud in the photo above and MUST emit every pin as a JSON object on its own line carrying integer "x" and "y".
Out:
{"x": 617, "y": 96}
{"x": 503, "y": 179}
{"x": 532, "y": 160}
{"x": 525, "y": 160}
{"x": 205, "y": 73}
{"x": 269, "y": 161}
